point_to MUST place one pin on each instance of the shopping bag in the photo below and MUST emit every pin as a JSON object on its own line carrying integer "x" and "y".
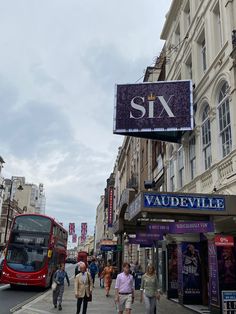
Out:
{"x": 54, "y": 286}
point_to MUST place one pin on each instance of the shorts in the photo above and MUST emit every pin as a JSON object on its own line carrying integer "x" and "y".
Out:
{"x": 125, "y": 302}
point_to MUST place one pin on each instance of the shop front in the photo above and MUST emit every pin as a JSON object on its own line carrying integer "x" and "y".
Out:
{"x": 195, "y": 244}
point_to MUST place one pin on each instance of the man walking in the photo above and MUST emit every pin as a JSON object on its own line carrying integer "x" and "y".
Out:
{"x": 124, "y": 290}
{"x": 83, "y": 288}
{"x": 93, "y": 270}
{"x": 59, "y": 278}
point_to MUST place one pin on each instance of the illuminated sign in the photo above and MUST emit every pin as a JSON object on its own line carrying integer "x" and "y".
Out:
{"x": 184, "y": 202}
{"x": 153, "y": 107}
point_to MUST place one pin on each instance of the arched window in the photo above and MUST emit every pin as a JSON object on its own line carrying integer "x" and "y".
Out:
{"x": 224, "y": 120}
{"x": 172, "y": 170}
{"x": 206, "y": 137}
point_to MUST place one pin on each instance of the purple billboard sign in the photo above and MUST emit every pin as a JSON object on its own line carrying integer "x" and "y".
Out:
{"x": 153, "y": 107}
{"x": 192, "y": 227}
{"x": 182, "y": 227}
{"x": 213, "y": 275}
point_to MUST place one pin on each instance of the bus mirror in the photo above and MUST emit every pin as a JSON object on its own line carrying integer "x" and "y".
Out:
{"x": 49, "y": 253}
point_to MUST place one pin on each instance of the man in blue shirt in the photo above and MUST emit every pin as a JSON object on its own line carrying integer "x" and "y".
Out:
{"x": 93, "y": 269}
{"x": 59, "y": 278}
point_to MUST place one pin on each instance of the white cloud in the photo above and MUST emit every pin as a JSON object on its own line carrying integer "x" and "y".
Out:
{"x": 59, "y": 62}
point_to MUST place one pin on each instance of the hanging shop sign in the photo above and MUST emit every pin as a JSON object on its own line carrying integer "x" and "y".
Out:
{"x": 154, "y": 109}
{"x": 110, "y": 206}
{"x": 175, "y": 201}
{"x": 222, "y": 240}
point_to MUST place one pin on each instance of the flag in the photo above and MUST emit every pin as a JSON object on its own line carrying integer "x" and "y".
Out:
{"x": 71, "y": 228}
{"x": 83, "y": 231}
{"x": 74, "y": 238}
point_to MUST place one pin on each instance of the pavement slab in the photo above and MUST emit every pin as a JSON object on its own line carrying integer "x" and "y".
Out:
{"x": 100, "y": 304}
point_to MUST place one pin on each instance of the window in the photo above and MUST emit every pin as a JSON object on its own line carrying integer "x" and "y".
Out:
{"x": 224, "y": 120}
{"x": 206, "y": 137}
{"x": 172, "y": 175}
{"x": 203, "y": 53}
{"x": 181, "y": 166}
{"x": 189, "y": 67}
{"x": 187, "y": 16}
{"x": 177, "y": 35}
{"x": 172, "y": 172}
{"x": 217, "y": 27}
{"x": 192, "y": 157}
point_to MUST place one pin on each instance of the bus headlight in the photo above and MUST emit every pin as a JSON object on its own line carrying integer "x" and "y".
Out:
{"x": 5, "y": 274}
{"x": 42, "y": 277}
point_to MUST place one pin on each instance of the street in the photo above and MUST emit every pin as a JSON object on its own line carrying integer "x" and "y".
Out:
{"x": 13, "y": 299}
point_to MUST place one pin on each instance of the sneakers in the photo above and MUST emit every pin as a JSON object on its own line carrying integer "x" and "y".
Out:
{"x": 55, "y": 306}
{"x": 59, "y": 307}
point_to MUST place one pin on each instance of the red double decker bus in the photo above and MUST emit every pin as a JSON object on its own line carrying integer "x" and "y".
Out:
{"x": 37, "y": 244}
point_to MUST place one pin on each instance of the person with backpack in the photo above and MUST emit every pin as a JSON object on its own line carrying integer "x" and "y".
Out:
{"x": 93, "y": 269}
{"x": 59, "y": 278}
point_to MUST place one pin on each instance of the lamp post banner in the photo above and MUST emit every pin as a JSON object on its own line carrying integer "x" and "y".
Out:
{"x": 151, "y": 107}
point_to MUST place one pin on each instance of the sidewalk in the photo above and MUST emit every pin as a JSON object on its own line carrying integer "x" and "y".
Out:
{"x": 100, "y": 304}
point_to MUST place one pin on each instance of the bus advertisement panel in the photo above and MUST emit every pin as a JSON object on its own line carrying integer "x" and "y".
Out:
{"x": 36, "y": 246}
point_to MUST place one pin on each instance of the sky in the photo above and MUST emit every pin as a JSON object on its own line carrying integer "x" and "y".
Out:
{"x": 59, "y": 63}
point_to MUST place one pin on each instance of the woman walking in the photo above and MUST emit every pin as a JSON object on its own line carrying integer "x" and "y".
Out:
{"x": 59, "y": 278}
{"x": 149, "y": 290}
{"x": 107, "y": 275}
{"x": 83, "y": 289}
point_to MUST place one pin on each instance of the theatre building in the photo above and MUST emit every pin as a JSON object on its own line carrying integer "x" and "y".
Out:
{"x": 175, "y": 195}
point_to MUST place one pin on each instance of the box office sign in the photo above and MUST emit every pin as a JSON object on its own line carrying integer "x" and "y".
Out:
{"x": 153, "y": 107}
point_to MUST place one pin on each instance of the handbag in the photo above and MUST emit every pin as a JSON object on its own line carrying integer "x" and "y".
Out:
{"x": 90, "y": 297}
{"x": 54, "y": 286}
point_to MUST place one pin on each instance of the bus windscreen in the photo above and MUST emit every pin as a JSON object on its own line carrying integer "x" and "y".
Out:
{"x": 32, "y": 224}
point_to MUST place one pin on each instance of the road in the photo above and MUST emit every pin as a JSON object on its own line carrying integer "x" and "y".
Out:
{"x": 11, "y": 299}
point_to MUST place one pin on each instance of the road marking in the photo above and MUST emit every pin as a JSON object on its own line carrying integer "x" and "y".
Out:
{"x": 5, "y": 287}
{"x": 20, "y": 305}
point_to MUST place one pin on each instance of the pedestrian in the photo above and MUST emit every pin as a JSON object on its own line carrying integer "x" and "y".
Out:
{"x": 77, "y": 268}
{"x": 107, "y": 275}
{"x": 132, "y": 267}
{"x": 83, "y": 288}
{"x": 149, "y": 290}
{"x": 100, "y": 274}
{"x": 59, "y": 277}
{"x": 124, "y": 290}
{"x": 93, "y": 270}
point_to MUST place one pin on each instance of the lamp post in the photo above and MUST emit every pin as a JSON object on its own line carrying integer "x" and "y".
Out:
{"x": 20, "y": 188}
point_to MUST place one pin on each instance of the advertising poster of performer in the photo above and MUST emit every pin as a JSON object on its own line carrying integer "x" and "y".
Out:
{"x": 172, "y": 271}
{"x": 226, "y": 256}
{"x": 191, "y": 273}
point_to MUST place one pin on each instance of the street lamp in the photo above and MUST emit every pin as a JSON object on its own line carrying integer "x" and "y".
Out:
{"x": 20, "y": 188}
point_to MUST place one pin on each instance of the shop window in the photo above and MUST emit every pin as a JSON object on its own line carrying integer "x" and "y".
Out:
{"x": 224, "y": 120}
{"x": 206, "y": 137}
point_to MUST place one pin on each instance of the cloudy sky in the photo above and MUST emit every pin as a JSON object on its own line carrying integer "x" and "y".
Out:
{"x": 59, "y": 62}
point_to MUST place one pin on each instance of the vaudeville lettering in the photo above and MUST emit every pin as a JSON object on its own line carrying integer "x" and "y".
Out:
{"x": 184, "y": 202}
